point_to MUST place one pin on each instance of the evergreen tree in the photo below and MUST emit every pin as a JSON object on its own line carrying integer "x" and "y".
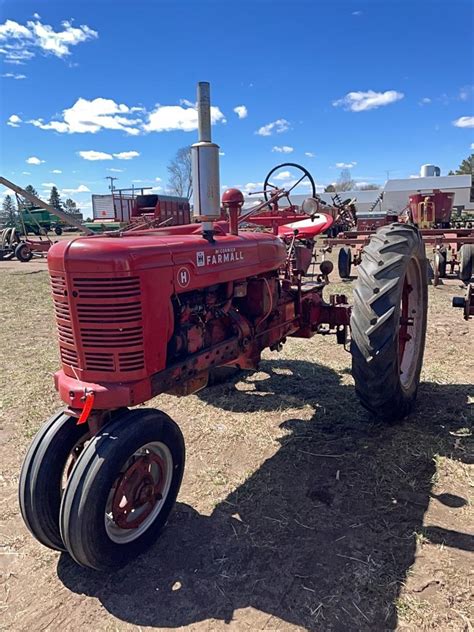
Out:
{"x": 25, "y": 202}
{"x": 465, "y": 168}
{"x": 54, "y": 199}
{"x": 8, "y": 216}
{"x": 70, "y": 206}
{"x": 31, "y": 189}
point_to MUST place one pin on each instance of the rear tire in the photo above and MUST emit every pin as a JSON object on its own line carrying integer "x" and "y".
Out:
{"x": 58, "y": 230}
{"x": 466, "y": 262}
{"x": 122, "y": 489}
{"x": 344, "y": 262}
{"x": 388, "y": 321}
{"x": 41, "y": 477}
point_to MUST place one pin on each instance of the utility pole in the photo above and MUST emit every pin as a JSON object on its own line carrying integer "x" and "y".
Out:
{"x": 111, "y": 185}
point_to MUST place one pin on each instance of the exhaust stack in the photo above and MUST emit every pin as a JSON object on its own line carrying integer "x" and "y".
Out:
{"x": 205, "y": 166}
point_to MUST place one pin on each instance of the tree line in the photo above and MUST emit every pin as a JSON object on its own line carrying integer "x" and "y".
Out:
{"x": 8, "y": 216}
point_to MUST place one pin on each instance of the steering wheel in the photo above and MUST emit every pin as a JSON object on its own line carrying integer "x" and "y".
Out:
{"x": 268, "y": 186}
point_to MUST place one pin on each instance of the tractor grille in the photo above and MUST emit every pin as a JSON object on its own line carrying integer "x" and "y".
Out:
{"x": 105, "y": 317}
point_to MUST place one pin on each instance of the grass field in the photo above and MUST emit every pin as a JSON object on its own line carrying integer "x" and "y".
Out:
{"x": 296, "y": 512}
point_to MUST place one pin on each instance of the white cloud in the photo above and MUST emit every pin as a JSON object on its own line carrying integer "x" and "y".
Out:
{"x": 167, "y": 118}
{"x": 346, "y": 165}
{"x": 12, "y": 75}
{"x": 14, "y": 120}
{"x": 241, "y": 111}
{"x": 309, "y": 154}
{"x": 80, "y": 189}
{"x": 19, "y": 43}
{"x": 116, "y": 170}
{"x": 283, "y": 175}
{"x": 92, "y": 116}
{"x": 251, "y": 186}
{"x": 95, "y": 155}
{"x": 48, "y": 184}
{"x": 126, "y": 155}
{"x": 464, "y": 121}
{"x": 157, "y": 179}
{"x": 91, "y": 154}
{"x": 222, "y": 153}
{"x": 424, "y": 101}
{"x": 283, "y": 149}
{"x": 362, "y": 101}
{"x": 472, "y": 145}
{"x": 278, "y": 126}
{"x": 33, "y": 160}
{"x": 56, "y": 171}
{"x": 356, "y": 12}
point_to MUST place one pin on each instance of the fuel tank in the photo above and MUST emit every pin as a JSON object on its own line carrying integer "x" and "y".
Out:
{"x": 113, "y": 294}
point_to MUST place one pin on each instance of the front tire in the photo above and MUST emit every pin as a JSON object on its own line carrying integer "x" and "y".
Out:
{"x": 123, "y": 489}
{"x": 58, "y": 442}
{"x": 388, "y": 321}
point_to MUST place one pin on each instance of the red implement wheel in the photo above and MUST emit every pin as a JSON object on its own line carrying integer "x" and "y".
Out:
{"x": 439, "y": 266}
{"x": 388, "y": 321}
{"x": 466, "y": 262}
{"x": 47, "y": 465}
{"x": 344, "y": 262}
{"x": 122, "y": 489}
{"x": 23, "y": 252}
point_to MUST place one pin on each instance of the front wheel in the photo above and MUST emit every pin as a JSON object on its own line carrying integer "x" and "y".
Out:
{"x": 388, "y": 321}
{"x": 123, "y": 489}
{"x": 48, "y": 462}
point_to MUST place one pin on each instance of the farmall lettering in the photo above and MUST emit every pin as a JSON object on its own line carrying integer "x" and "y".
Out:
{"x": 218, "y": 257}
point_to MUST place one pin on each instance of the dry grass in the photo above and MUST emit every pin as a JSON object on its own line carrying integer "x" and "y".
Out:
{"x": 297, "y": 512}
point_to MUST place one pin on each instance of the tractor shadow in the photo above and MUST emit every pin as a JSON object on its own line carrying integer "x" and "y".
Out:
{"x": 321, "y": 536}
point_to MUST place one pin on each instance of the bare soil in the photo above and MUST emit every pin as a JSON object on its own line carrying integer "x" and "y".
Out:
{"x": 297, "y": 511}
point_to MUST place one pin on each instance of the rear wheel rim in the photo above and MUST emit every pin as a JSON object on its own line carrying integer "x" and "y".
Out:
{"x": 410, "y": 328}
{"x": 139, "y": 492}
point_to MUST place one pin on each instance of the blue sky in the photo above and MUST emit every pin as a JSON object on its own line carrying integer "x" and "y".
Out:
{"x": 383, "y": 85}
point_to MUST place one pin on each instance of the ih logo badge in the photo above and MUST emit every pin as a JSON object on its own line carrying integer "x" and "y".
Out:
{"x": 200, "y": 260}
{"x": 183, "y": 277}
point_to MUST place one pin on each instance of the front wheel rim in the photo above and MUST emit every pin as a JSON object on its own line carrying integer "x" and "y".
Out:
{"x": 139, "y": 492}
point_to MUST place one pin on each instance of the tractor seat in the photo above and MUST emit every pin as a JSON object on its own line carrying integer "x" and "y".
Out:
{"x": 307, "y": 228}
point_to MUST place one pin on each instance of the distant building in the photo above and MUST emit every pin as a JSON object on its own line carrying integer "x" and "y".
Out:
{"x": 395, "y": 193}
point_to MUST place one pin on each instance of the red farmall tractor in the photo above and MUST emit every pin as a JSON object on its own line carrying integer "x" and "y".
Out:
{"x": 155, "y": 311}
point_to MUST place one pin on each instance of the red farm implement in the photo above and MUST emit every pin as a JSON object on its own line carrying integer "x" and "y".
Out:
{"x": 157, "y": 310}
{"x": 452, "y": 248}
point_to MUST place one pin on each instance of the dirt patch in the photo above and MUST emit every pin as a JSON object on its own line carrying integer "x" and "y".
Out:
{"x": 296, "y": 512}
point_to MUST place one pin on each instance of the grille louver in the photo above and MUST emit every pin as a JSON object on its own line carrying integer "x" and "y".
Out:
{"x": 105, "y": 316}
